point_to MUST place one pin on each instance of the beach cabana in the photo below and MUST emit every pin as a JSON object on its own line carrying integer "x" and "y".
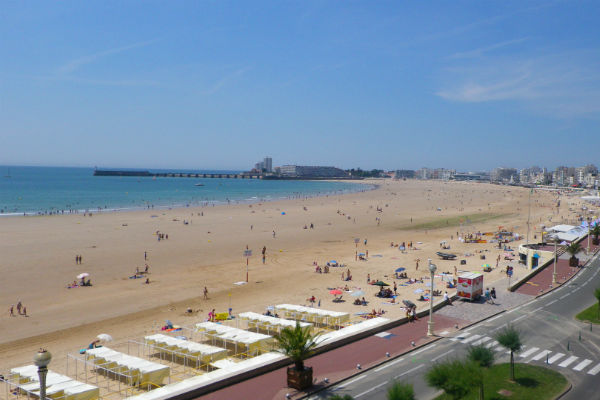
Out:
{"x": 58, "y": 386}
{"x": 202, "y": 353}
{"x": 268, "y": 323}
{"x": 310, "y": 314}
{"x": 137, "y": 371}
{"x": 252, "y": 342}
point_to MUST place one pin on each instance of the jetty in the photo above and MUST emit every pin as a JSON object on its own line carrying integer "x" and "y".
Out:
{"x": 148, "y": 174}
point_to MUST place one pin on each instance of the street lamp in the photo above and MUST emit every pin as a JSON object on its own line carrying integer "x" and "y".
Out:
{"x": 432, "y": 269}
{"x": 589, "y": 220}
{"x": 42, "y": 359}
{"x": 554, "y": 274}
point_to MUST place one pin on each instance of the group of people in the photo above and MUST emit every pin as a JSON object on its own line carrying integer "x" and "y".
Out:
{"x": 489, "y": 295}
{"x": 360, "y": 302}
{"x": 161, "y": 236}
{"x": 319, "y": 270}
{"x": 78, "y": 259}
{"x": 21, "y": 310}
{"x": 347, "y": 276}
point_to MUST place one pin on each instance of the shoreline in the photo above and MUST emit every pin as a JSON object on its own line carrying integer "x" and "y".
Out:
{"x": 208, "y": 203}
{"x": 208, "y": 252}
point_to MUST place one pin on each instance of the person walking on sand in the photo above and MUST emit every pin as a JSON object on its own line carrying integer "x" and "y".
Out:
{"x": 205, "y": 293}
{"x": 145, "y": 256}
{"x": 19, "y": 306}
{"x": 417, "y": 261}
{"x": 273, "y": 234}
{"x": 11, "y": 311}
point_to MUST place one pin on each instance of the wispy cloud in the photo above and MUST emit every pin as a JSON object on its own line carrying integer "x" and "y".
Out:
{"x": 563, "y": 85}
{"x": 482, "y": 50}
{"x": 75, "y": 64}
{"x": 225, "y": 80}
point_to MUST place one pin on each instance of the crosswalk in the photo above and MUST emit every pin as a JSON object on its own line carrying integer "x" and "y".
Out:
{"x": 529, "y": 354}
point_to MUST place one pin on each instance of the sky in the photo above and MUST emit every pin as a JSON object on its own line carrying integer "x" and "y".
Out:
{"x": 466, "y": 85}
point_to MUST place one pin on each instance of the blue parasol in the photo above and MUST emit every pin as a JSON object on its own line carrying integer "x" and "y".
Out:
{"x": 400, "y": 269}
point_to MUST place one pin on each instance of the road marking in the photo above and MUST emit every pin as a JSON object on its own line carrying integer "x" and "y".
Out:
{"x": 409, "y": 371}
{"x": 422, "y": 350}
{"x": 370, "y": 390}
{"x": 536, "y": 310}
{"x": 552, "y": 302}
{"x": 493, "y": 319}
{"x": 351, "y": 381}
{"x": 491, "y": 344}
{"x": 564, "y": 295}
{"x": 568, "y": 361}
{"x": 388, "y": 364}
{"x": 555, "y": 357}
{"x": 482, "y": 340}
{"x": 467, "y": 340}
{"x": 468, "y": 329}
{"x": 442, "y": 355}
{"x": 594, "y": 370}
{"x": 582, "y": 365}
{"x": 541, "y": 355}
{"x": 460, "y": 336}
{"x": 529, "y": 352}
{"x": 520, "y": 318}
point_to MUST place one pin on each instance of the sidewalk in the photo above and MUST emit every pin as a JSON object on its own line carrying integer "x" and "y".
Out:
{"x": 340, "y": 363}
{"x": 542, "y": 282}
{"x": 477, "y": 310}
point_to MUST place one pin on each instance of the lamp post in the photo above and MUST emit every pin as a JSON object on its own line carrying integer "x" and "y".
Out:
{"x": 589, "y": 220}
{"x": 554, "y": 274}
{"x": 432, "y": 269}
{"x": 42, "y": 359}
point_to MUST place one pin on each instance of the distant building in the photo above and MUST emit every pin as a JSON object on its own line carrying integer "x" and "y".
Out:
{"x": 503, "y": 174}
{"x": 304, "y": 171}
{"x": 268, "y": 164}
{"x": 404, "y": 173}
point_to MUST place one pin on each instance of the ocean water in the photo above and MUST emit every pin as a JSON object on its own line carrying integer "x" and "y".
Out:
{"x": 35, "y": 190}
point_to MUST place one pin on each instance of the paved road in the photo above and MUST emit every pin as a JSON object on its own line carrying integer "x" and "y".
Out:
{"x": 549, "y": 331}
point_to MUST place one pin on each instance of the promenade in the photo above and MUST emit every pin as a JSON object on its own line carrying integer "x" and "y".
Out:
{"x": 341, "y": 363}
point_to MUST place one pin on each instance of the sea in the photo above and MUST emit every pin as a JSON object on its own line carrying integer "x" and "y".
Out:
{"x": 62, "y": 190}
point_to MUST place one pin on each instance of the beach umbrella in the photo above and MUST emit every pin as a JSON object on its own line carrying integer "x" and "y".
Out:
{"x": 486, "y": 265}
{"x": 361, "y": 254}
{"x": 400, "y": 269}
{"x": 83, "y": 275}
{"x": 357, "y": 293}
{"x": 105, "y": 337}
{"x": 419, "y": 291}
{"x": 332, "y": 262}
{"x": 380, "y": 283}
{"x": 335, "y": 292}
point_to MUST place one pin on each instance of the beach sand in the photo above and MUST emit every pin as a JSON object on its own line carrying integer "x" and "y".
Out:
{"x": 38, "y": 258}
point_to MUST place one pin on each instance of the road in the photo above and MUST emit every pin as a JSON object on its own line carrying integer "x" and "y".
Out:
{"x": 549, "y": 331}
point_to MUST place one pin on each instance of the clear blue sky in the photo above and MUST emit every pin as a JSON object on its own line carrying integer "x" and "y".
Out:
{"x": 374, "y": 84}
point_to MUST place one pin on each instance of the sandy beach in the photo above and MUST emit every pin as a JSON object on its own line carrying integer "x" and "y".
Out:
{"x": 205, "y": 248}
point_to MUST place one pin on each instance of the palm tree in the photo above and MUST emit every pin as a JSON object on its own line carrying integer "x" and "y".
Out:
{"x": 455, "y": 378}
{"x": 510, "y": 338}
{"x": 596, "y": 234}
{"x": 573, "y": 249}
{"x": 597, "y": 294}
{"x": 482, "y": 357}
{"x": 298, "y": 343}
{"x": 401, "y": 391}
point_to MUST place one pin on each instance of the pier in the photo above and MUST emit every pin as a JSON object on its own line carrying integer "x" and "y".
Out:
{"x": 148, "y": 174}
